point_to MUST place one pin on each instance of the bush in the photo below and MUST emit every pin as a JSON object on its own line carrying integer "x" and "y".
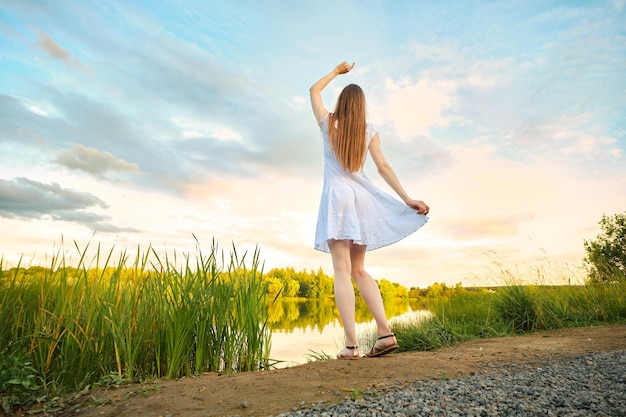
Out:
{"x": 518, "y": 306}
{"x": 606, "y": 256}
{"x": 427, "y": 335}
{"x": 17, "y": 375}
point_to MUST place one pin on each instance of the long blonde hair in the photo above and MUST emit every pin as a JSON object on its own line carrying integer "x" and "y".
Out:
{"x": 347, "y": 139}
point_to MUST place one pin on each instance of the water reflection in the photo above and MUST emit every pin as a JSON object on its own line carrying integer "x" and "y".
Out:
{"x": 303, "y": 326}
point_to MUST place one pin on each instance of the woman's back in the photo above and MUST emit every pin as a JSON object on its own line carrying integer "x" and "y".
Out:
{"x": 333, "y": 168}
{"x": 347, "y": 128}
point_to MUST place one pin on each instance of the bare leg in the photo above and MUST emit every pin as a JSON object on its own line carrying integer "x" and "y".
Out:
{"x": 371, "y": 295}
{"x": 369, "y": 289}
{"x": 344, "y": 292}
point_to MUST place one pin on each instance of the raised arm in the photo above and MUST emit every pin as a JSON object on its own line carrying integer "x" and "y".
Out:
{"x": 316, "y": 89}
{"x": 388, "y": 174}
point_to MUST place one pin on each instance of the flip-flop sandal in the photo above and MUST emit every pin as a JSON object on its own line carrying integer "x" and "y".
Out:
{"x": 374, "y": 352}
{"x": 355, "y": 353}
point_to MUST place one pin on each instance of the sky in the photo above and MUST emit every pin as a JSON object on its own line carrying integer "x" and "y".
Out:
{"x": 130, "y": 124}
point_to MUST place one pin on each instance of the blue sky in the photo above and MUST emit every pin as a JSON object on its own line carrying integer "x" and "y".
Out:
{"x": 152, "y": 122}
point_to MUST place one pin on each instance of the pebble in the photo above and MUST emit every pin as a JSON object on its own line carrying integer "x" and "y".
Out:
{"x": 585, "y": 385}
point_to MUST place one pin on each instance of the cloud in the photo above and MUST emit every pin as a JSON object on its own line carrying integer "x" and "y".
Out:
{"x": 413, "y": 156}
{"x": 22, "y": 197}
{"x": 111, "y": 141}
{"x": 93, "y": 161}
{"x": 179, "y": 107}
{"x": 574, "y": 138}
{"x": 199, "y": 129}
{"x": 416, "y": 107}
{"x": 56, "y": 52}
{"x": 426, "y": 92}
{"x": 31, "y": 135}
{"x": 619, "y": 5}
{"x": 25, "y": 199}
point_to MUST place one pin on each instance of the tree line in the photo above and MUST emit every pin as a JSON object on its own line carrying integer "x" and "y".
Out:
{"x": 287, "y": 282}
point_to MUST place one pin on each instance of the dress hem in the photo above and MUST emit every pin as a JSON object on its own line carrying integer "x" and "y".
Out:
{"x": 373, "y": 246}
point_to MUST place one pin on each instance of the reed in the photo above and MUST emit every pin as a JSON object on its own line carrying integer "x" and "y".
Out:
{"x": 469, "y": 315}
{"x": 151, "y": 317}
{"x": 545, "y": 305}
{"x": 512, "y": 309}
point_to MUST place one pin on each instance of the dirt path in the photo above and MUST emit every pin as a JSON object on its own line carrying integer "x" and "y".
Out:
{"x": 270, "y": 392}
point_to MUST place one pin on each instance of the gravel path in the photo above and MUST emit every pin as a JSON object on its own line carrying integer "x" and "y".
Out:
{"x": 586, "y": 385}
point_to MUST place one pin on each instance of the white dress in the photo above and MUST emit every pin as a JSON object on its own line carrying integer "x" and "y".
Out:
{"x": 353, "y": 208}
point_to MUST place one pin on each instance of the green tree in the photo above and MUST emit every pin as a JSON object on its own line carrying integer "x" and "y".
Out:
{"x": 287, "y": 279}
{"x": 291, "y": 288}
{"x": 606, "y": 255}
{"x": 416, "y": 292}
{"x": 273, "y": 286}
{"x": 436, "y": 290}
{"x": 401, "y": 292}
{"x": 459, "y": 289}
{"x": 390, "y": 290}
{"x": 319, "y": 285}
{"x": 387, "y": 289}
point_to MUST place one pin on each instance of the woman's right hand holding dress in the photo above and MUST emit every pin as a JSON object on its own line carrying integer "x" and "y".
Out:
{"x": 418, "y": 205}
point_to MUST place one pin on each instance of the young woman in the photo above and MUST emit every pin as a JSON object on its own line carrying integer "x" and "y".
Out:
{"x": 354, "y": 215}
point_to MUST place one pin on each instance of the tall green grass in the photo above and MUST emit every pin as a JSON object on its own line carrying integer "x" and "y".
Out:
{"x": 532, "y": 307}
{"x": 534, "y": 300}
{"x": 150, "y": 317}
{"x": 453, "y": 319}
{"x": 513, "y": 307}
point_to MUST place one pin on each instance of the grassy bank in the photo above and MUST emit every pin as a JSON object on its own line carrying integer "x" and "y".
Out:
{"x": 68, "y": 328}
{"x": 146, "y": 316}
{"x": 510, "y": 310}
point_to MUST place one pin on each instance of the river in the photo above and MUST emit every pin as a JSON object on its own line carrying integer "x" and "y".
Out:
{"x": 302, "y": 328}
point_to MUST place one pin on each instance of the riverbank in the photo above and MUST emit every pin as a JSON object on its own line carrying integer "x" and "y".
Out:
{"x": 272, "y": 392}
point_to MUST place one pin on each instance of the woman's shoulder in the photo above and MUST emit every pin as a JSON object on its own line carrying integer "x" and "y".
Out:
{"x": 371, "y": 131}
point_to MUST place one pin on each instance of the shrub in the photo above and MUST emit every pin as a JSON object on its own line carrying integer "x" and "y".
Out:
{"x": 606, "y": 256}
